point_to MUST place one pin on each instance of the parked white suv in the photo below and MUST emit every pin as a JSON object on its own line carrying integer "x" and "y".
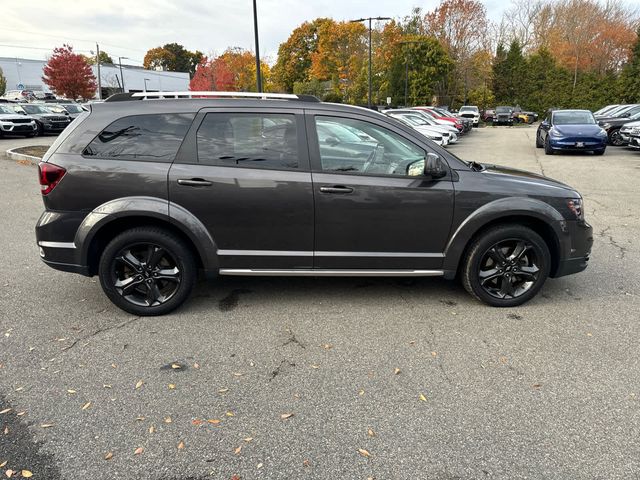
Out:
{"x": 471, "y": 112}
{"x": 12, "y": 123}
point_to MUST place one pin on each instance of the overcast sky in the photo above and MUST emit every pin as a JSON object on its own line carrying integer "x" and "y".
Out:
{"x": 130, "y": 28}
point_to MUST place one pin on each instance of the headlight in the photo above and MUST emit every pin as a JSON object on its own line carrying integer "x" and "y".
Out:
{"x": 602, "y": 133}
{"x": 554, "y": 133}
{"x": 576, "y": 207}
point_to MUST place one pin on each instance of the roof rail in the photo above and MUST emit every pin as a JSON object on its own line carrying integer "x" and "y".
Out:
{"x": 119, "y": 97}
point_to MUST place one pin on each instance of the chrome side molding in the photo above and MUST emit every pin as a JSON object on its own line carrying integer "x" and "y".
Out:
{"x": 330, "y": 273}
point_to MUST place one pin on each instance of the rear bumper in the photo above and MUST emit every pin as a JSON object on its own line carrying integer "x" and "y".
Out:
{"x": 55, "y": 232}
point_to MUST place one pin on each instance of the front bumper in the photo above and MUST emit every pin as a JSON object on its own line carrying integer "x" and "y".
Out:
{"x": 634, "y": 142}
{"x": 578, "y": 240}
{"x": 18, "y": 128}
{"x": 580, "y": 144}
{"x": 55, "y": 126}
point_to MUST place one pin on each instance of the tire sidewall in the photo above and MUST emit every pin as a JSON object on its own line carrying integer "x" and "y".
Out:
{"x": 486, "y": 241}
{"x": 174, "y": 246}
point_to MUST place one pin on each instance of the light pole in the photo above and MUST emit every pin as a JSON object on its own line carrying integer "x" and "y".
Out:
{"x": 255, "y": 31}
{"x": 121, "y": 75}
{"x": 362, "y": 20}
{"x": 145, "y": 83}
{"x": 99, "y": 77}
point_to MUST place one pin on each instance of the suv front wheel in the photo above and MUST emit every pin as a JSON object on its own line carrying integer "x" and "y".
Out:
{"x": 506, "y": 266}
{"x": 147, "y": 271}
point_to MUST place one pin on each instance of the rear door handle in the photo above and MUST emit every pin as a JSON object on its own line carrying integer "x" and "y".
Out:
{"x": 336, "y": 189}
{"x": 194, "y": 182}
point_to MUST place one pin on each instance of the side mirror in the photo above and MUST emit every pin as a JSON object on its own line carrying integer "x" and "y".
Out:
{"x": 625, "y": 115}
{"x": 434, "y": 166}
{"x": 544, "y": 124}
{"x": 333, "y": 141}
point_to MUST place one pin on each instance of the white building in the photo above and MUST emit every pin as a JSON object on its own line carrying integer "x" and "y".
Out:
{"x": 22, "y": 73}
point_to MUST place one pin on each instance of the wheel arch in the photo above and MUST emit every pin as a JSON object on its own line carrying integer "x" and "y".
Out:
{"x": 116, "y": 216}
{"x": 535, "y": 214}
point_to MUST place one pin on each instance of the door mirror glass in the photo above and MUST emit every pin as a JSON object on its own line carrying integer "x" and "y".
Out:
{"x": 332, "y": 141}
{"x": 434, "y": 166}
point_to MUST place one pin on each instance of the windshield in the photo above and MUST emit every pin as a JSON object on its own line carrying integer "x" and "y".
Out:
{"x": 573, "y": 118}
{"x": 34, "y": 109}
{"x": 4, "y": 109}
{"x": 72, "y": 108}
{"x": 503, "y": 109}
{"x": 468, "y": 109}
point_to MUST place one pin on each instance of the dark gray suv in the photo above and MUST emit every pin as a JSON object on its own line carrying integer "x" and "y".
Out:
{"x": 145, "y": 192}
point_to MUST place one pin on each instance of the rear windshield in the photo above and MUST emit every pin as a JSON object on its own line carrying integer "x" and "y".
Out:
{"x": 573, "y": 118}
{"x": 142, "y": 137}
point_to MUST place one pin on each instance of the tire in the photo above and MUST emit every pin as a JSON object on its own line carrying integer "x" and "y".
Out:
{"x": 599, "y": 152}
{"x": 30, "y": 135}
{"x": 526, "y": 266}
{"x": 547, "y": 147}
{"x": 159, "y": 282}
{"x": 539, "y": 143}
{"x": 615, "y": 138}
{"x": 40, "y": 132}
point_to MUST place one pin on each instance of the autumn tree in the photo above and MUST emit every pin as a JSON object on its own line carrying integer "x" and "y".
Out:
{"x": 172, "y": 57}
{"x": 234, "y": 70}
{"x": 630, "y": 77}
{"x": 105, "y": 58}
{"x": 69, "y": 75}
{"x": 294, "y": 55}
{"x": 3, "y": 82}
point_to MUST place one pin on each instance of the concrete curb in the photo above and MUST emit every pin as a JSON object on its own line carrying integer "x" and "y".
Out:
{"x": 21, "y": 157}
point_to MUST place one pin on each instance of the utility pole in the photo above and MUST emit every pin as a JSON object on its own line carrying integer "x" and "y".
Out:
{"x": 255, "y": 30}
{"x": 362, "y": 20}
{"x": 121, "y": 75}
{"x": 99, "y": 78}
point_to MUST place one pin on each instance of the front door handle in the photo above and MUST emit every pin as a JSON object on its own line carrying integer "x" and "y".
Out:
{"x": 194, "y": 182}
{"x": 336, "y": 189}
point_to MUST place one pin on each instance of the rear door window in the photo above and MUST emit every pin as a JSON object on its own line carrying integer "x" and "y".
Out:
{"x": 154, "y": 137}
{"x": 253, "y": 140}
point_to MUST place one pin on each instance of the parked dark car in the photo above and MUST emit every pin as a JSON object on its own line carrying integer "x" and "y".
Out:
{"x": 575, "y": 130}
{"x": 488, "y": 115}
{"x": 612, "y": 126}
{"x": 46, "y": 120}
{"x": 144, "y": 193}
{"x": 12, "y": 123}
{"x": 503, "y": 116}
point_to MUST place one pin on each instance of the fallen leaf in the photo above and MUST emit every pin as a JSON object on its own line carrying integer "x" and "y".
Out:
{"x": 196, "y": 422}
{"x": 138, "y": 451}
{"x": 26, "y": 473}
{"x": 397, "y": 371}
{"x": 589, "y": 334}
{"x": 315, "y": 366}
{"x": 175, "y": 366}
{"x": 214, "y": 421}
{"x": 139, "y": 384}
{"x": 284, "y": 416}
{"x": 106, "y": 386}
{"x": 371, "y": 433}
{"x": 6, "y": 410}
{"x": 181, "y": 445}
{"x": 364, "y": 452}
{"x": 327, "y": 346}
{"x": 248, "y": 439}
{"x": 361, "y": 392}
{"x": 9, "y": 473}
{"x": 536, "y": 385}
{"x": 108, "y": 456}
{"x": 6, "y": 430}
{"x": 167, "y": 420}
{"x": 19, "y": 414}
{"x": 196, "y": 365}
{"x": 223, "y": 390}
{"x": 46, "y": 425}
{"x": 434, "y": 354}
{"x": 86, "y": 405}
{"x": 113, "y": 365}
{"x": 172, "y": 386}
{"x": 423, "y": 398}
{"x": 19, "y": 389}
{"x": 306, "y": 463}
{"x": 238, "y": 374}
{"x": 139, "y": 419}
{"x": 238, "y": 450}
{"x": 230, "y": 414}
{"x": 3, "y": 463}
{"x": 152, "y": 429}
{"x": 503, "y": 359}
{"x": 259, "y": 466}
{"x": 71, "y": 391}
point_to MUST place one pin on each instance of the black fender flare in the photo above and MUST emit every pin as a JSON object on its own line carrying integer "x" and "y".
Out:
{"x": 150, "y": 207}
{"x": 503, "y": 208}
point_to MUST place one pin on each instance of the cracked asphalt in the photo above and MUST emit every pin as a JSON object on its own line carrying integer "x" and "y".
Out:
{"x": 276, "y": 378}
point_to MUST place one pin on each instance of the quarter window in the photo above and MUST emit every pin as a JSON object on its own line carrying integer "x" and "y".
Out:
{"x": 142, "y": 137}
{"x": 355, "y": 146}
{"x": 249, "y": 140}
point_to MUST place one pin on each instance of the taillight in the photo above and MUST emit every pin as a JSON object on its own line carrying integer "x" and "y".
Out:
{"x": 50, "y": 175}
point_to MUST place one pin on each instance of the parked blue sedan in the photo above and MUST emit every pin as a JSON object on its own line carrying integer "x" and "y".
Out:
{"x": 571, "y": 130}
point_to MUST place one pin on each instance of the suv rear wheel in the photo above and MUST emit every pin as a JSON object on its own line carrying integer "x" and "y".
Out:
{"x": 147, "y": 271}
{"x": 506, "y": 266}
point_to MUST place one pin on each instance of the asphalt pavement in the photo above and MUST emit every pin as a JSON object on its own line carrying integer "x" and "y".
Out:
{"x": 350, "y": 378}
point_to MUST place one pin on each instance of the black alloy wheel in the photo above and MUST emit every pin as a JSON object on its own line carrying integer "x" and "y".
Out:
{"x": 506, "y": 265}
{"x": 615, "y": 138}
{"x": 147, "y": 271}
